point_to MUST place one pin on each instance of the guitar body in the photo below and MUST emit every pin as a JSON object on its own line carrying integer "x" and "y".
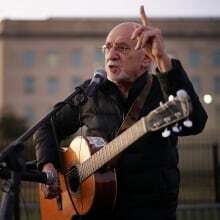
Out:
{"x": 97, "y": 192}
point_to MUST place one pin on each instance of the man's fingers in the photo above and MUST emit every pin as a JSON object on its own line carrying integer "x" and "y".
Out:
{"x": 137, "y": 32}
{"x": 145, "y": 38}
{"x": 139, "y": 42}
{"x": 143, "y": 17}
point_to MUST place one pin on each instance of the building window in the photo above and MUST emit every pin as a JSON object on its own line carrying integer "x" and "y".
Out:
{"x": 76, "y": 57}
{"x": 216, "y": 57}
{"x": 99, "y": 57}
{"x": 53, "y": 85}
{"x": 29, "y": 85}
{"x": 29, "y": 114}
{"x": 194, "y": 58}
{"x": 196, "y": 83}
{"x": 52, "y": 58}
{"x": 217, "y": 84}
{"x": 28, "y": 58}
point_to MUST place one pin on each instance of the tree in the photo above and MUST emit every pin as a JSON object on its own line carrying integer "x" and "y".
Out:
{"x": 11, "y": 126}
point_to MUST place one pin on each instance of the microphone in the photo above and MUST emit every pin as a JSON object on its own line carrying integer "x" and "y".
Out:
{"x": 98, "y": 77}
{"x": 32, "y": 176}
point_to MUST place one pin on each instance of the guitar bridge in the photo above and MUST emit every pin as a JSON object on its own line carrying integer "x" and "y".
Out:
{"x": 59, "y": 202}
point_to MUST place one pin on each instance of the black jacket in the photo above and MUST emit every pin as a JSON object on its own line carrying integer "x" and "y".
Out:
{"x": 147, "y": 172}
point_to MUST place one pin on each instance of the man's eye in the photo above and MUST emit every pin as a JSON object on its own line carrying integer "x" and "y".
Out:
{"x": 123, "y": 47}
{"x": 108, "y": 47}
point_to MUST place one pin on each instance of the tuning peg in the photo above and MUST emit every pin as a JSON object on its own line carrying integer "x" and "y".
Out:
{"x": 161, "y": 103}
{"x": 166, "y": 133}
{"x": 171, "y": 98}
{"x": 188, "y": 123}
{"x": 181, "y": 93}
{"x": 177, "y": 128}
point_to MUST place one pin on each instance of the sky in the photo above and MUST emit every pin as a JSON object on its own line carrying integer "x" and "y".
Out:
{"x": 42, "y": 9}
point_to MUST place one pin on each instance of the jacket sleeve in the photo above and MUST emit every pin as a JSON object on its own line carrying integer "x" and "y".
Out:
{"x": 66, "y": 122}
{"x": 175, "y": 80}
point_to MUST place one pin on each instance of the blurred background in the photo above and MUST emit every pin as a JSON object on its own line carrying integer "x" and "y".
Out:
{"x": 48, "y": 47}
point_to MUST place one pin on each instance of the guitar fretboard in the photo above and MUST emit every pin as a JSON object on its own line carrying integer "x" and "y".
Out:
{"x": 112, "y": 149}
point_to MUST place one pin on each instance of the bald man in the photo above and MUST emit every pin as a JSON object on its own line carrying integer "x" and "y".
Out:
{"x": 147, "y": 172}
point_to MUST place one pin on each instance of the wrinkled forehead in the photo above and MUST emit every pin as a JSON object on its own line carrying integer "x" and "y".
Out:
{"x": 122, "y": 33}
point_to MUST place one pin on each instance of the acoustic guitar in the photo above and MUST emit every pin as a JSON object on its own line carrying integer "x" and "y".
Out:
{"x": 86, "y": 184}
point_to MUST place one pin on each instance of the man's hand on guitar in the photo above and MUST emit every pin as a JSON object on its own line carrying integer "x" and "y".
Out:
{"x": 51, "y": 191}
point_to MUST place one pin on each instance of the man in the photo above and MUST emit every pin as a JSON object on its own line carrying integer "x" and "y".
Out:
{"x": 147, "y": 173}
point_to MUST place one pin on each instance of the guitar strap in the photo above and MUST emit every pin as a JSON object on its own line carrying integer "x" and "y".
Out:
{"x": 135, "y": 110}
{"x": 133, "y": 114}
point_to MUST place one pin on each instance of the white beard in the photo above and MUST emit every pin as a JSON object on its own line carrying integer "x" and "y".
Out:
{"x": 122, "y": 77}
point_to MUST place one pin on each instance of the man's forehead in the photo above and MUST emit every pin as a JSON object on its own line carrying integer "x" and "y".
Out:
{"x": 119, "y": 39}
{"x": 122, "y": 32}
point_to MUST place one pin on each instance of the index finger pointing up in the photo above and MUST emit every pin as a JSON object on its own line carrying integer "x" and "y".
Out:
{"x": 143, "y": 16}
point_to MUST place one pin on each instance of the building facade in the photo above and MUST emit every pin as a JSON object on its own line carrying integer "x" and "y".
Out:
{"x": 42, "y": 61}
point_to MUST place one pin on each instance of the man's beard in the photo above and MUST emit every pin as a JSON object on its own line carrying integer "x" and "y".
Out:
{"x": 122, "y": 78}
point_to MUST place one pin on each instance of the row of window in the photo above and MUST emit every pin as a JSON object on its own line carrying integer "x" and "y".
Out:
{"x": 76, "y": 57}
{"x": 30, "y": 115}
{"x": 53, "y": 84}
{"x": 53, "y": 57}
{"x": 195, "y": 57}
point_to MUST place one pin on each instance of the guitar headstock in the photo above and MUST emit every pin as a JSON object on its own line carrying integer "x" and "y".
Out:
{"x": 169, "y": 113}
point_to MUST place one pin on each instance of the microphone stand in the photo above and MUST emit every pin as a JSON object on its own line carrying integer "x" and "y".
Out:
{"x": 11, "y": 156}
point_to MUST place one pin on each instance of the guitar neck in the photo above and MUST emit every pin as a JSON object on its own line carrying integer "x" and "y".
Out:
{"x": 166, "y": 114}
{"x": 112, "y": 149}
